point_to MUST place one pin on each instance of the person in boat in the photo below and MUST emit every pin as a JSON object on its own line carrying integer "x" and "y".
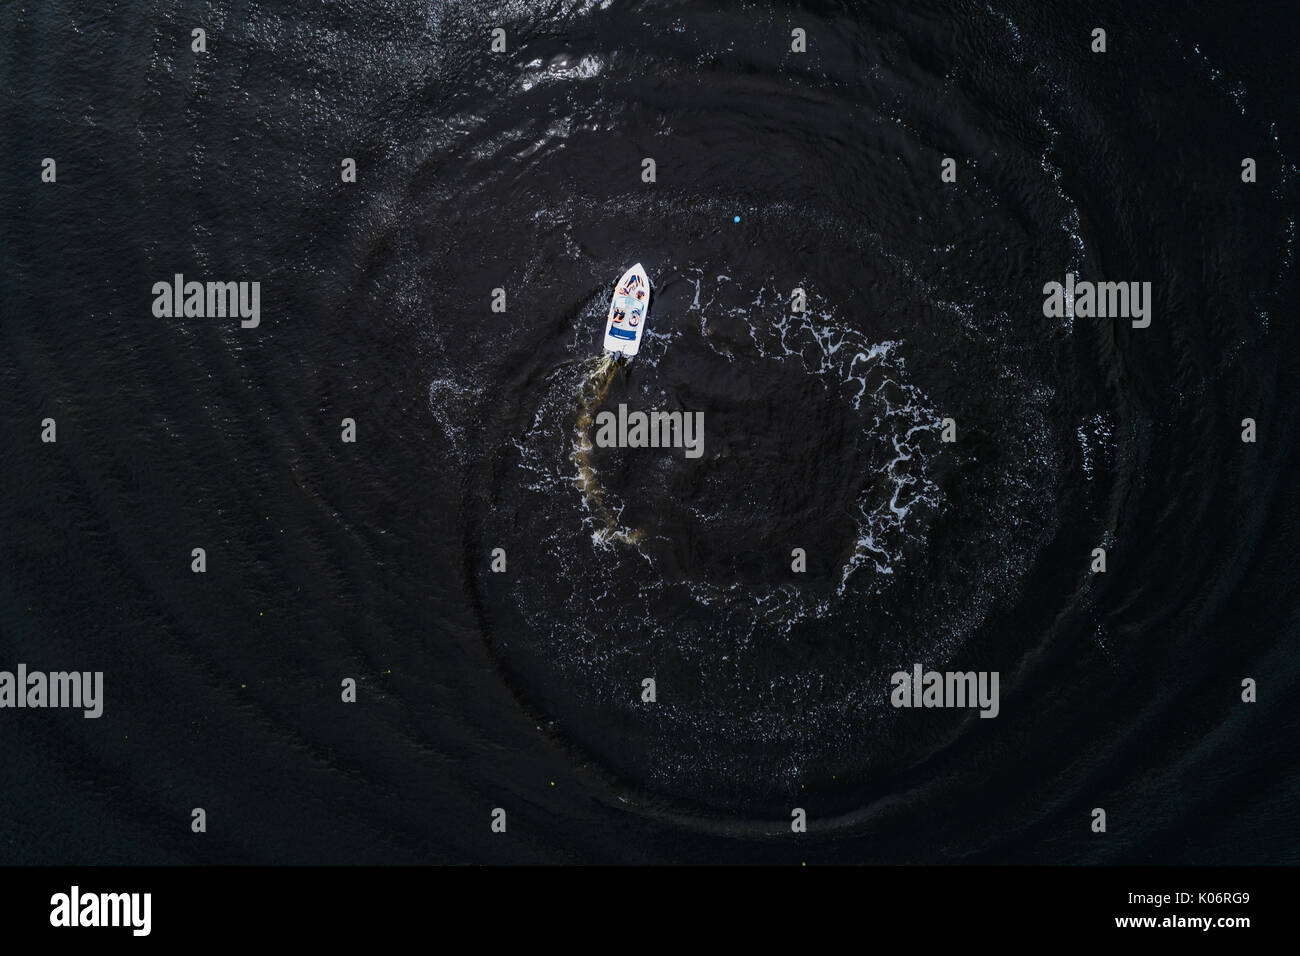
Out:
{"x": 618, "y": 316}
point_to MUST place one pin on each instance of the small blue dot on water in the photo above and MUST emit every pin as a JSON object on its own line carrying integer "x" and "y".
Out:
{"x": 737, "y": 219}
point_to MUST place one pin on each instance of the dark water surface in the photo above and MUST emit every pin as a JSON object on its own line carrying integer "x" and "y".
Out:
{"x": 522, "y": 170}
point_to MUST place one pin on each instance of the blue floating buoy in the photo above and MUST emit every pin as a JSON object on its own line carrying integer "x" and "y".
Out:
{"x": 737, "y": 219}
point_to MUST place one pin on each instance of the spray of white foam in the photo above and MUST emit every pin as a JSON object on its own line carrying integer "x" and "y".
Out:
{"x": 561, "y": 69}
{"x": 1093, "y": 433}
{"x": 1070, "y": 222}
{"x": 452, "y": 402}
{"x": 872, "y": 376}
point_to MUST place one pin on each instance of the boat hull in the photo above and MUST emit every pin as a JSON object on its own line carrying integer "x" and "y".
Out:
{"x": 629, "y": 309}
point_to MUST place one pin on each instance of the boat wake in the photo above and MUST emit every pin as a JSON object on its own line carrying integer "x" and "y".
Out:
{"x": 592, "y": 389}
